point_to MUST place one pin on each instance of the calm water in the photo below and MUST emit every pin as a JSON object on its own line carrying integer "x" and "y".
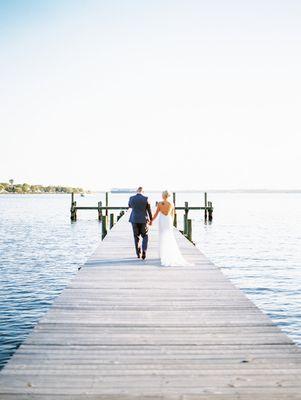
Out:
{"x": 254, "y": 238}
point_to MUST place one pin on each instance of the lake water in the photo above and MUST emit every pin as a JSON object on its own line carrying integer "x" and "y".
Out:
{"x": 254, "y": 238}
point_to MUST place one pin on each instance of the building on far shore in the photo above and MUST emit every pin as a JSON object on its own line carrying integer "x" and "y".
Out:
{"x": 123, "y": 190}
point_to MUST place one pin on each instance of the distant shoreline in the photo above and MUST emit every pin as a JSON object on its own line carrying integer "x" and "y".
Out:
{"x": 25, "y": 188}
{"x": 41, "y": 193}
{"x": 80, "y": 191}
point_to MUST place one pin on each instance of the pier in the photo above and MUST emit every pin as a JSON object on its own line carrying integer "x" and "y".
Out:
{"x": 130, "y": 329}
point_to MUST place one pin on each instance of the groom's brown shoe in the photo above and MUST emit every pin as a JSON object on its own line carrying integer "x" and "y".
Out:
{"x": 143, "y": 255}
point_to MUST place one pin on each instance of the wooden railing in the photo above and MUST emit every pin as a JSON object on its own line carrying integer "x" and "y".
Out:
{"x": 108, "y": 220}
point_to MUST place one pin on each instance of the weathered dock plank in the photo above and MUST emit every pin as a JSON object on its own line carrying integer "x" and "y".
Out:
{"x": 130, "y": 329}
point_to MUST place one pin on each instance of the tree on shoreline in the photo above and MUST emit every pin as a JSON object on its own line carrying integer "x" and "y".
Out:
{"x": 23, "y": 188}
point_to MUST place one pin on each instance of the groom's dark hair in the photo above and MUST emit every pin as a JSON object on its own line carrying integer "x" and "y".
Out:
{"x": 140, "y": 189}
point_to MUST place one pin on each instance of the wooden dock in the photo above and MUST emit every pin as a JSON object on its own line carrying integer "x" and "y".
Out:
{"x": 130, "y": 329}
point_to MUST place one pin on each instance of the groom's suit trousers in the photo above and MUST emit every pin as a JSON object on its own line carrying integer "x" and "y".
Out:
{"x": 140, "y": 229}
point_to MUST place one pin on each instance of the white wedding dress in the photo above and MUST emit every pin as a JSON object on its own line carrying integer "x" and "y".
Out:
{"x": 168, "y": 248}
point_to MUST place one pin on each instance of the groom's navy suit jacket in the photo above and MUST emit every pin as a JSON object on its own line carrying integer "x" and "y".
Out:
{"x": 140, "y": 209}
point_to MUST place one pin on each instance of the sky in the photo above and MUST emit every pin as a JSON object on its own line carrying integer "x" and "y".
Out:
{"x": 166, "y": 94}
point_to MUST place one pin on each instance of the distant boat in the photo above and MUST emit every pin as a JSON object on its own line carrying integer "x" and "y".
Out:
{"x": 82, "y": 195}
{"x": 123, "y": 190}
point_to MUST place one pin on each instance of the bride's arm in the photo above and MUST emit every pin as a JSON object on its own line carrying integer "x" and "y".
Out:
{"x": 156, "y": 213}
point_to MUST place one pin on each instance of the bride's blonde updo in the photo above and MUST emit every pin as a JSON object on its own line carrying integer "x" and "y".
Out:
{"x": 166, "y": 194}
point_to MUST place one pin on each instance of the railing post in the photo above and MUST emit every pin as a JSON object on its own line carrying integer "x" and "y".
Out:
{"x": 107, "y": 203}
{"x": 111, "y": 221}
{"x": 73, "y": 215}
{"x": 175, "y": 222}
{"x": 185, "y": 218}
{"x": 186, "y": 208}
{"x": 205, "y": 203}
{"x": 175, "y": 213}
{"x": 99, "y": 210}
{"x": 210, "y": 211}
{"x": 189, "y": 229}
{"x": 74, "y": 212}
{"x": 104, "y": 226}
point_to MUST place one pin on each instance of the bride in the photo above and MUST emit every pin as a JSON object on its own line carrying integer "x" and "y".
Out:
{"x": 169, "y": 251}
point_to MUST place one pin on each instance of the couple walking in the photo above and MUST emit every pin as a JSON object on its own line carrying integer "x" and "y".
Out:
{"x": 141, "y": 218}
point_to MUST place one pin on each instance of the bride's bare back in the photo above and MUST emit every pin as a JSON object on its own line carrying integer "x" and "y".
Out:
{"x": 165, "y": 207}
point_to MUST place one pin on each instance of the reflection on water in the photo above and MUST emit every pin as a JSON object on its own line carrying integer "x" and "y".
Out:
{"x": 254, "y": 238}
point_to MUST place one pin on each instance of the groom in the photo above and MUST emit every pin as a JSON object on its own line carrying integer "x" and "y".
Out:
{"x": 139, "y": 218}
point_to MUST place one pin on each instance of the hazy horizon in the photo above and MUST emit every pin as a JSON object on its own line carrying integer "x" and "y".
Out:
{"x": 166, "y": 94}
